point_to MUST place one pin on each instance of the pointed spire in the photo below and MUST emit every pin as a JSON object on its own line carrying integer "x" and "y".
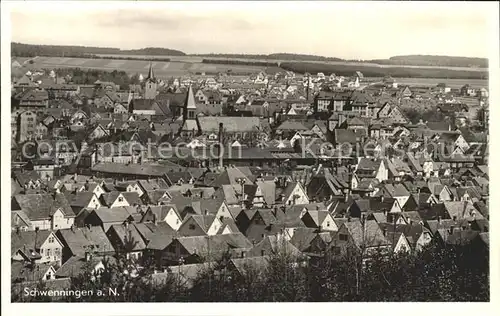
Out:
{"x": 151, "y": 75}
{"x": 190, "y": 103}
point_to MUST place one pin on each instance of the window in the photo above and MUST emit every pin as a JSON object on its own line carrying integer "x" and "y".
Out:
{"x": 51, "y": 239}
{"x": 327, "y": 224}
{"x": 49, "y": 252}
{"x": 120, "y": 199}
{"x": 177, "y": 221}
{"x": 343, "y": 237}
{"x": 191, "y": 226}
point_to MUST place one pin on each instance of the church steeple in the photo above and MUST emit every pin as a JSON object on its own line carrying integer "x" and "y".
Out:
{"x": 190, "y": 105}
{"x": 150, "y": 84}
{"x": 151, "y": 75}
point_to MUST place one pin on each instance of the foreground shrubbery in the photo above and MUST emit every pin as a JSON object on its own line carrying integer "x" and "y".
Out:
{"x": 436, "y": 274}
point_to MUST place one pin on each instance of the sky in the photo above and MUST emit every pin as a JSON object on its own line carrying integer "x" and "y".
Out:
{"x": 350, "y": 30}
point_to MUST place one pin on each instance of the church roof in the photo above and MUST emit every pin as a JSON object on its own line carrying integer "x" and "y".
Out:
{"x": 190, "y": 103}
{"x": 151, "y": 75}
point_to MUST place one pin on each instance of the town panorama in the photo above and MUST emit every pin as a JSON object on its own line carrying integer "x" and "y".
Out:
{"x": 281, "y": 178}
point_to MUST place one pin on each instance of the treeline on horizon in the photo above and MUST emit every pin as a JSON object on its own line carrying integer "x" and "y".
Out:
{"x": 240, "y": 62}
{"x": 29, "y": 50}
{"x": 413, "y": 60}
{"x": 374, "y": 71}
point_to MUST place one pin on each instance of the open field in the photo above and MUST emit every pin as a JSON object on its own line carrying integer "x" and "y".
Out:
{"x": 180, "y": 68}
{"x": 198, "y": 59}
{"x": 161, "y": 69}
{"x": 187, "y": 59}
{"x": 432, "y": 82}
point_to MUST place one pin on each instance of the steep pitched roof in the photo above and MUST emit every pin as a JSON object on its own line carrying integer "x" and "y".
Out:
{"x": 129, "y": 237}
{"x": 369, "y": 236}
{"x": 190, "y": 101}
{"x": 82, "y": 239}
{"x": 230, "y": 176}
{"x": 29, "y": 240}
{"x": 43, "y": 206}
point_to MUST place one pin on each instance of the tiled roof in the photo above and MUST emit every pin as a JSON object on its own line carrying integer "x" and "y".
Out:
{"x": 230, "y": 124}
{"x": 82, "y": 239}
{"x": 368, "y": 236}
{"x": 43, "y": 206}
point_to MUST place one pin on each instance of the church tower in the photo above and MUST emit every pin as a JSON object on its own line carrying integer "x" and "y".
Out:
{"x": 190, "y": 106}
{"x": 190, "y": 123}
{"x": 150, "y": 84}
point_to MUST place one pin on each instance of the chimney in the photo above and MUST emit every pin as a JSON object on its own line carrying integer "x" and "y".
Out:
{"x": 88, "y": 256}
{"x": 155, "y": 219}
{"x": 384, "y": 231}
{"x": 206, "y": 212}
{"x": 221, "y": 144}
{"x": 439, "y": 219}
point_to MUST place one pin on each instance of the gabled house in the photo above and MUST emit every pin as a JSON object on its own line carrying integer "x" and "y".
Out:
{"x": 365, "y": 236}
{"x": 106, "y": 217}
{"x": 275, "y": 245}
{"x": 45, "y": 211}
{"x": 372, "y": 168}
{"x": 415, "y": 235}
{"x": 74, "y": 265}
{"x": 22, "y": 272}
{"x": 126, "y": 239}
{"x": 261, "y": 194}
{"x": 163, "y": 213}
{"x": 293, "y": 194}
{"x": 200, "y": 225}
{"x": 117, "y": 199}
{"x": 396, "y": 191}
{"x": 40, "y": 246}
{"x": 373, "y": 204}
{"x": 321, "y": 220}
{"x": 195, "y": 249}
{"x": 84, "y": 200}
{"x": 81, "y": 241}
